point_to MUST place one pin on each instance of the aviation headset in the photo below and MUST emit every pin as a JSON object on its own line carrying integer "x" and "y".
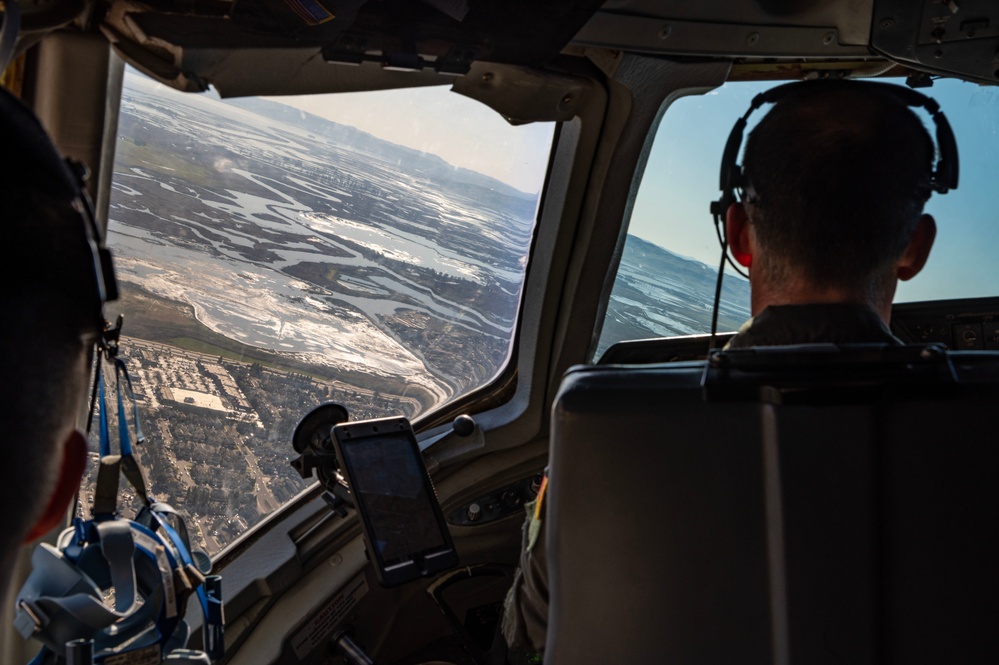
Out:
{"x": 733, "y": 177}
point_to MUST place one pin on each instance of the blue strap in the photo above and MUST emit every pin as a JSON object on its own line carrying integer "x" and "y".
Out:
{"x": 124, "y": 442}
{"x": 125, "y": 462}
{"x": 121, "y": 369}
{"x": 214, "y": 630}
{"x": 102, "y": 401}
{"x": 74, "y": 548}
{"x": 185, "y": 556}
{"x": 40, "y": 658}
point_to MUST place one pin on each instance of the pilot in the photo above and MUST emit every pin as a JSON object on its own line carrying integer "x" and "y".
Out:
{"x": 52, "y": 317}
{"x": 837, "y": 174}
{"x": 831, "y": 219}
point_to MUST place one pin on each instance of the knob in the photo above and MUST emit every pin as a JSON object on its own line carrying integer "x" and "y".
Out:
{"x": 464, "y": 425}
{"x": 474, "y": 512}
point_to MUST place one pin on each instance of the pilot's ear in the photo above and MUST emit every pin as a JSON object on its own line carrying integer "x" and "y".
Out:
{"x": 915, "y": 254}
{"x": 740, "y": 240}
{"x": 74, "y": 461}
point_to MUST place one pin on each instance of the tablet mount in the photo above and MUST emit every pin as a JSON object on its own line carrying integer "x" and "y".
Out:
{"x": 313, "y": 442}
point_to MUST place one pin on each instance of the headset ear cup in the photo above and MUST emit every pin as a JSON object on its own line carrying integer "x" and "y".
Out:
{"x": 107, "y": 270}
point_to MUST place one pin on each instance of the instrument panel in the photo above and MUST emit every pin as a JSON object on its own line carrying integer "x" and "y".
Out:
{"x": 960, "y": 325}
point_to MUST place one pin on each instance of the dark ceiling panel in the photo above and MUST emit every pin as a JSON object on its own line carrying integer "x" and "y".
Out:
{"x": 850, "y": 18}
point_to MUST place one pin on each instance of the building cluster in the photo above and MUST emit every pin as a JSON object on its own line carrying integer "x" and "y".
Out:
{"x": 187, "y": 380}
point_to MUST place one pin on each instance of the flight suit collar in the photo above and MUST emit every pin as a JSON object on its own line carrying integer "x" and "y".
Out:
{"x": 832, "y": 323}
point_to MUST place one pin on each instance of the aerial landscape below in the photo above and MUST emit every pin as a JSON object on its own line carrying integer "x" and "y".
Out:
{"x": 272, "y": 260}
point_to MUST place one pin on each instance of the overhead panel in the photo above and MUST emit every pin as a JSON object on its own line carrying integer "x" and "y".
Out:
{"x": 678, "y": 37}
{"x": 280, "y": 46}
{"x": 940, "y": 36}
{"x": 746, "y": 29}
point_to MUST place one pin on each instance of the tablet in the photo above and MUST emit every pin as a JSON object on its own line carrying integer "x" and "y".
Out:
{"x": 404, "y": 527}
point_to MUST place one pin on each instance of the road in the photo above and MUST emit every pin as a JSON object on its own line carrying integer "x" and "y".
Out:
{"x": 266, "y": 502}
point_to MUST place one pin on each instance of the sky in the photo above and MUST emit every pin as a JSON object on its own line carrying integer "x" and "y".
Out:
{"x": 681, "y": 179}
{"x": 460, "y": 130}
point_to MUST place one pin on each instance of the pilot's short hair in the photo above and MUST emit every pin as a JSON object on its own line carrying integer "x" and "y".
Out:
{"x": 839, "y": 174}
{"x": 50, "y": 312}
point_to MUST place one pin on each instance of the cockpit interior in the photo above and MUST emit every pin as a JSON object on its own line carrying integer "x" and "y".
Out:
{"x": 487, "y": 218}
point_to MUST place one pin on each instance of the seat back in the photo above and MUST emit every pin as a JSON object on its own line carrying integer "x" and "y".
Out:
{"x": 816, "y": 504}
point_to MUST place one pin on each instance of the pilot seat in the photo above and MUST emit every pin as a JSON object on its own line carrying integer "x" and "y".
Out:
{"x": 814, "y": 504}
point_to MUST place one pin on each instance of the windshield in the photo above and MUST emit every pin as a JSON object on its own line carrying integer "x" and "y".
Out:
{"x": 666, "y": 280}
{"x": 274, "y": 254}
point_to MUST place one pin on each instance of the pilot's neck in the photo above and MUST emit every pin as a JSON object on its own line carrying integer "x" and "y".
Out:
{"x": 765, "y": 293}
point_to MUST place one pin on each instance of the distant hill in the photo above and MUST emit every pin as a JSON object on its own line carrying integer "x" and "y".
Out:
{"x": 661, "y": 294}
{"x": 422, "y": 164}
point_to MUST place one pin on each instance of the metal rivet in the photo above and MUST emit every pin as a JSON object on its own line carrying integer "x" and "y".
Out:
{"x": 753, "y": 39}
{"x": 938, "y": 54}
{"x": 886, "y": 23}
{"x": 829, "y": 38}
{"x": 665, "y": 31}
{"x": 487, "y": 77}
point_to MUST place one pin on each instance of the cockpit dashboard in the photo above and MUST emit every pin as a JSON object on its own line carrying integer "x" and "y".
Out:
{"x": 961, "y": 325}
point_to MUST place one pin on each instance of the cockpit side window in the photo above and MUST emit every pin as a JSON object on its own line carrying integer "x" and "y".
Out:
{"x": 665, "y": 283}
{"x": 963, "y": 263}
{"x": 277, "y": 253}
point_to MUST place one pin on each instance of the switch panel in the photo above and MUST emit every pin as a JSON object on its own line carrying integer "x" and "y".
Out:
{"x": 497, "y": 504}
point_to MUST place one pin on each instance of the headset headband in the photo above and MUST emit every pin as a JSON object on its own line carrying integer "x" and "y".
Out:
{"x": 943, "y": 178}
